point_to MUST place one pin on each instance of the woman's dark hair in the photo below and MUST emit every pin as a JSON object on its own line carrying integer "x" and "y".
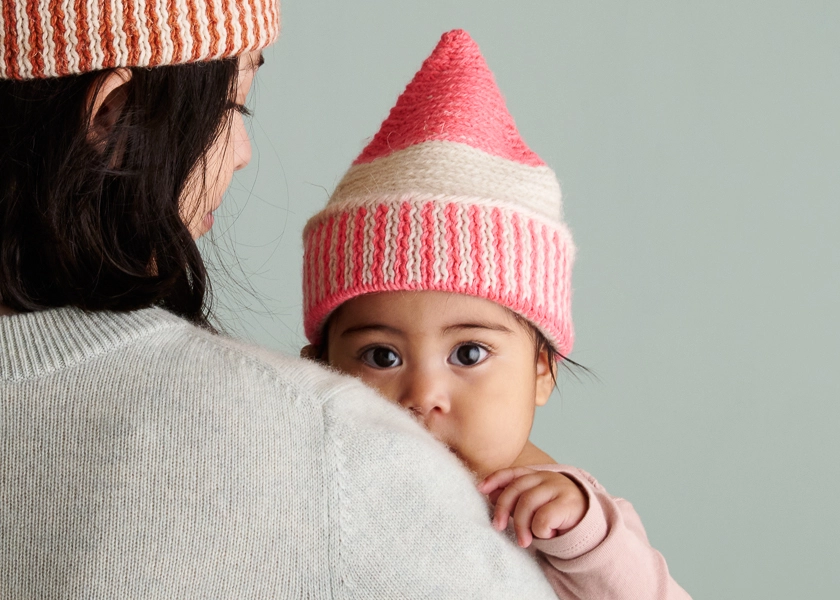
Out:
{"x": 98, "y": 226}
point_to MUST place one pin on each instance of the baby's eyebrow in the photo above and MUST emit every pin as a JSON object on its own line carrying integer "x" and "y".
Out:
{"x": 477, "y": 325}
{"x": 370, "y": 327}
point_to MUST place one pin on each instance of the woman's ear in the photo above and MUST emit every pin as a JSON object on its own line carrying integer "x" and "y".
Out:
{"x": 106, "y": 100}
{"x": 545, "y": 377}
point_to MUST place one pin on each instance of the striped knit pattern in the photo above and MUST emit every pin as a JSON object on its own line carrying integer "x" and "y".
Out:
{"x": 53, "y": 38}
{"x": 446, "y": 197}
{"x": 416, "y": 243}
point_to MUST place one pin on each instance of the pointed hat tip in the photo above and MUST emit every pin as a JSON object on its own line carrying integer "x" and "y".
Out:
{"x": 456, "y": 36}
{"x": 453, "y": 45}
{"x": 453, "y": 97}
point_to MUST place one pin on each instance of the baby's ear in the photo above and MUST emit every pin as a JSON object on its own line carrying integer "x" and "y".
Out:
{"x": 309, "y": 351}
{"x": 545, "y": 377}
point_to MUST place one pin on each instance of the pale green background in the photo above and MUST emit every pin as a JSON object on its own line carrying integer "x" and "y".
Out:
{"x": 698, "y": 148}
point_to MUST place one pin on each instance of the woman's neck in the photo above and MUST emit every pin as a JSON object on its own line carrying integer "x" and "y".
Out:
{"x": 5, "y": 311}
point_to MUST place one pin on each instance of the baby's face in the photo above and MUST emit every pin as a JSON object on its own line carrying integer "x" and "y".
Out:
{"x": 465, "y": 366}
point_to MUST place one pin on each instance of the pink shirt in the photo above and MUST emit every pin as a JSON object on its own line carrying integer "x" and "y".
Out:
{"x": 607, "y": 555}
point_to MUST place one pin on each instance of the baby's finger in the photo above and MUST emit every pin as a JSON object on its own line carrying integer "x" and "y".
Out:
{"x": 529, "y": 503}
{"x": 501, "y": 479}
{"x": 494, "y": 495}
{"x": 548, "y": 519}
{"x": 558, "y": 516}
{"x": 509, "y": 497}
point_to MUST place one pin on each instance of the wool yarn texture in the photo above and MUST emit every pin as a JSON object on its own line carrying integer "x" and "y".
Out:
{"x": 54, "y": 38}
{"x": 446, "y": 197}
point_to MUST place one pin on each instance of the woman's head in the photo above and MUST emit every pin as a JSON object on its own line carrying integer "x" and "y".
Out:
{"x": 110, "y": 170}
{"x": 105, "y": 180}
{"x": 471, "y": 370}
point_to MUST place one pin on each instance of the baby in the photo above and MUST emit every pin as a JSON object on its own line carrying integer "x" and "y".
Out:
{"x": 440, "y": 274}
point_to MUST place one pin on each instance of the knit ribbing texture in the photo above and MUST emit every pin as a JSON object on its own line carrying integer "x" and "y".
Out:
{"x": 52, "y": 38}
{"x": 142, "y": 457}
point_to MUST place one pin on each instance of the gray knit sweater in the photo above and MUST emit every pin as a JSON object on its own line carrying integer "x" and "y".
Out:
{"x": 141, "y": 457}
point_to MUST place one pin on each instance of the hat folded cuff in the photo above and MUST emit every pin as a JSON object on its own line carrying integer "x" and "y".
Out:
{"x": 471, "y": 248}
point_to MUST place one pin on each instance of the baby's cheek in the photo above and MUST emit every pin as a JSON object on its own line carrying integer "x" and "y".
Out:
{"x": 495, "y": 447}
{"x": 388, "y": 390}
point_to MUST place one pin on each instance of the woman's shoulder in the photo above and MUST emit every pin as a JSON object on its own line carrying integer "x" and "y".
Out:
{"x": 154, "y": 349}
{"x": 240, "y": 362}
{"x": 272, "y": 366}
{"x": 154, "y": 363}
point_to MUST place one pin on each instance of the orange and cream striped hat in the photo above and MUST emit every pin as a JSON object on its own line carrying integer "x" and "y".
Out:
{"x": 53, "y": 38}
{"x": 446, "y": 197}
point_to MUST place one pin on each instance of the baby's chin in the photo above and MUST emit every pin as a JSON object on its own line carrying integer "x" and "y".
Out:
{"x": 479, "y": 468}
{"x": 471, "y": 466}
{"x": 480, "y": 464}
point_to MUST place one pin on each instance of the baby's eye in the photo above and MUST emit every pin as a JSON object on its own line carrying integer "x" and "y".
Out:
{"x": 381, "y": 357}
{"x": 467, "y": 355}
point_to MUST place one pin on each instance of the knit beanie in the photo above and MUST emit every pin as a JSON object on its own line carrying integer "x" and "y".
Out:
{"x": 446, "y": 197}
{"x": 52, "y": 38}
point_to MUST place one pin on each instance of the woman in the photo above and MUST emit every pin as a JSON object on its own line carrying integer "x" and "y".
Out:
{"x": 141, "y": 453}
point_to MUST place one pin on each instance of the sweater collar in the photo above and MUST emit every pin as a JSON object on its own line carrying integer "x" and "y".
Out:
{"x": 37, "y": 343}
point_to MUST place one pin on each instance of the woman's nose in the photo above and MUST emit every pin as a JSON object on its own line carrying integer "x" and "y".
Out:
{"x": 241, "y": 144}
{"x": 425, "y": 393}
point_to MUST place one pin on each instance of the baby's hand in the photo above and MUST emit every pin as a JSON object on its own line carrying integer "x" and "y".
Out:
{"x": 544, "y": 504}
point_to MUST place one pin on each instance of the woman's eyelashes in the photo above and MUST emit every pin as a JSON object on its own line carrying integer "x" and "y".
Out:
{"x": 468, "y": 355}
{"x": 240, "y": 108}
{"x": 380, "y": 357}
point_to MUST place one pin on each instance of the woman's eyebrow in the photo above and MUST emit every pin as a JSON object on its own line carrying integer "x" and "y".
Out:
{"x": 370, "y": 327}
{"x": 477, "y": 325}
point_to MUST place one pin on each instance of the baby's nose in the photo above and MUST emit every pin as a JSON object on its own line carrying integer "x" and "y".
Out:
{"x": 426, "y": 394}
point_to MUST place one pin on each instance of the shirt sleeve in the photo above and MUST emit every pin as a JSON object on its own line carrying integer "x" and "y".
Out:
{"x": 409, "y": 521}
{"x": 607, "y": 555}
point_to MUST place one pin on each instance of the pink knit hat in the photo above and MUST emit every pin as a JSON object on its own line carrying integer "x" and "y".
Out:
{"x": 445, "y": 197}
{"x": 52, "y": 38}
